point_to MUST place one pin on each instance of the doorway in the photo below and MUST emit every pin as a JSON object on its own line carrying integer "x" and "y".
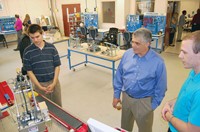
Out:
{"x": 66, "y": 10}
{"x": 172, "y": 9}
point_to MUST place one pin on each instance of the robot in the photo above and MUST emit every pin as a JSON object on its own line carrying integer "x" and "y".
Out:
{"x": 29, "y": 115}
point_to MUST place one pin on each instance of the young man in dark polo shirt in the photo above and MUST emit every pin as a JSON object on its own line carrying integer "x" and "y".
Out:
{"x": 42, "y": 63}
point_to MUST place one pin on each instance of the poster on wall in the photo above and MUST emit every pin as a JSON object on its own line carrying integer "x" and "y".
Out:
{"x": 108, "y": 9}
{"x": 144, "y": 6}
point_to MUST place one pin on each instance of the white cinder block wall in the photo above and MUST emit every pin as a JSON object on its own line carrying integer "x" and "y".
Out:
{"x": 36, "y": 8}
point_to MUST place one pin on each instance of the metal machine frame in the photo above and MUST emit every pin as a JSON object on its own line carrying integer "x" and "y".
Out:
{"x": 29, "y": 115}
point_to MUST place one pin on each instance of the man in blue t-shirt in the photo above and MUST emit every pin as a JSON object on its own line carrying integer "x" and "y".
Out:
{"x": 42, "y": 63}
{"x": 183, "y": 113}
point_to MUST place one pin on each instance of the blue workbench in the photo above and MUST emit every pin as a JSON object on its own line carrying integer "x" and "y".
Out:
{"x": 98, "y": 55}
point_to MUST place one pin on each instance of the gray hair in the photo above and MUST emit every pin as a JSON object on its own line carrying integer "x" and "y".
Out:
{"x": 144, "y": 34}
{"x": 195, "y": 37}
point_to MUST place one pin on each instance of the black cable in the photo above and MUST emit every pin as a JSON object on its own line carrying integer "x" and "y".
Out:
{"x": 25, "y": 103}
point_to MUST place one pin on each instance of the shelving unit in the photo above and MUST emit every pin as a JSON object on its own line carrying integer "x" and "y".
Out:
{"x": 74, "y": 23}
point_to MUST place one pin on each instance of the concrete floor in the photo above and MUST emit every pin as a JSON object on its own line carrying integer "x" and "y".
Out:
{"x": 88, "y": 92}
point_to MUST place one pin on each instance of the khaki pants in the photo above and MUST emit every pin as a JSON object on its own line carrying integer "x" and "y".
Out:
{"x": 55, "y": 96}
{"x": 138, "y": 110}
{"x": 180, "y": 30}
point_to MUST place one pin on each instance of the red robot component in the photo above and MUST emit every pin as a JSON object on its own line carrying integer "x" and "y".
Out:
{"x": 6, "y": 95}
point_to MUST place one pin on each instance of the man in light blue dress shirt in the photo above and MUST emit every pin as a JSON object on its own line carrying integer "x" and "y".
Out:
{"x": 141, "y": 78}
{"x": 183, "y": 113}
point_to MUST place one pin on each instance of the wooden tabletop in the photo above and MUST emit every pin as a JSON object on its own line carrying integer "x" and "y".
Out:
{"x": 84, "y": 49}
{"x": 54, "y": 40}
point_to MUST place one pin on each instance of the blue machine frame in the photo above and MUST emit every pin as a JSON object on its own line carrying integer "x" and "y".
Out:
{"x": 87, "y": 61}
{"x": 154, "y": 22}
{"x": 133, "y": 23}
{"x": 91, "y": 19}
{"x": 158, "y": 43}
{"x": 7, "y": 23}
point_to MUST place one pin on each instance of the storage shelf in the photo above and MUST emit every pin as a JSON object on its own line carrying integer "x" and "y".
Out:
{"x": 74, "y": 24}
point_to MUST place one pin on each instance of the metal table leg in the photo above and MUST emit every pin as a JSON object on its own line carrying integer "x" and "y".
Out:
{"x": 69, "y": 59}
{"x": 113, "y": 70}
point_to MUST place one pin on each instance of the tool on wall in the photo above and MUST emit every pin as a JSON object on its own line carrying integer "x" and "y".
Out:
{"x": 52, "y": 11}
{"x": 95, "y": 8}
{"x": 86, "y": 9}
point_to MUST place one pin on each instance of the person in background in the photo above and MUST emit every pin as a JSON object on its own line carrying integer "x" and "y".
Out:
{"x": 25, "y": 41}
{"x": 43, "y": 23}
{"x": 26, "y": 22}
{"x": 196, "y": 21}
{"x": 42, "y": 63}
{"x": 142, "y": 80}
{"x": 182, "y": 113}
{"x": 18, "y": 28}
{"x": 173, "y": 29}
{"x": 181, "y": 23}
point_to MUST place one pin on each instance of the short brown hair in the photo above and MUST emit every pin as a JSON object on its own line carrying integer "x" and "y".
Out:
{"x": 16, "y": 16}
{"x": 195, "y": 37}
{"x": 33, "y": 28}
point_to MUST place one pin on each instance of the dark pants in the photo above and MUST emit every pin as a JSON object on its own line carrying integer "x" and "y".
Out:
{"x": 195, "y": 27}
{"x": 171, "y": 38}
{"x": 169, "y": 130}
{"x": 19, "y": 33}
